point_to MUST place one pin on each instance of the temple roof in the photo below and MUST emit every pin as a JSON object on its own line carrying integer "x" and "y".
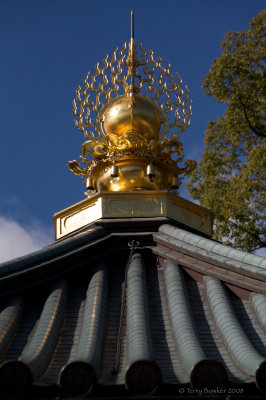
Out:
{"x": 133, "y": 307}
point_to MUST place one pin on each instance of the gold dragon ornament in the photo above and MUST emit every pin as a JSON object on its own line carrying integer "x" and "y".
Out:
{"x": 132, "y": 146}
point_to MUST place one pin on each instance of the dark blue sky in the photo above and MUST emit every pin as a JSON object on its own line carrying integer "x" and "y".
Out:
{"x": 47, "y": 47}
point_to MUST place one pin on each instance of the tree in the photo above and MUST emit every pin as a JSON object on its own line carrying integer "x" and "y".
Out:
{"x": 231, "y": 175}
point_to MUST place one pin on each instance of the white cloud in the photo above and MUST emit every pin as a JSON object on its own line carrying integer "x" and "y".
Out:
{"x": 16, "y": 240}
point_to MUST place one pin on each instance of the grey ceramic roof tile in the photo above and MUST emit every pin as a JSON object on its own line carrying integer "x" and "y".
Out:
{"x": 88, "y": 354}
{"x": 172, "y": 324}
{"x": 50, "y": 251}
{"x": 204, "y": 249}
{"x": 10, "y": 316}
{"x": 243, "y": 353}
{"x": 213, "y": 246}
{"x": 258, "y": 303}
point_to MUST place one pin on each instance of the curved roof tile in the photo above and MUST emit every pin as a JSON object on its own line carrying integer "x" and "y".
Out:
{"x": 175, "y": 320}
{"x": 213, "y": 246}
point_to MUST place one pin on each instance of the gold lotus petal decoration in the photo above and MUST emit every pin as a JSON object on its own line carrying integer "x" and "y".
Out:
{"x": 132, "y": 110}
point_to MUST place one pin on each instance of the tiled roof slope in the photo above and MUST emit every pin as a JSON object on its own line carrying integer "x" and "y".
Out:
{"x": 172, "y": 316}
{"x": 209, "y": 257}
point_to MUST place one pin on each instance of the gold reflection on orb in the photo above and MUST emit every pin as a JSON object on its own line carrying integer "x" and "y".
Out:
{"x": 132, "y": 114}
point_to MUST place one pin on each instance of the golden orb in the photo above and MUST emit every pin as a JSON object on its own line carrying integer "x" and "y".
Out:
{"x": 128, "y": 114}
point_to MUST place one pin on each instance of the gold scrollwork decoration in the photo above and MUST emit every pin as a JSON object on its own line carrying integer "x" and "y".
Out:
{"x": 144, "y": 72}
{"x": 132, "y": 72}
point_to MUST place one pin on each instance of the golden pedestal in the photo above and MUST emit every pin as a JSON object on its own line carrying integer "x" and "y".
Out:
{"x": 138, "y": 204}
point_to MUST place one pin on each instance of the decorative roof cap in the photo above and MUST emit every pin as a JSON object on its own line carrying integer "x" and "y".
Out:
{"x": 132, "y": 145}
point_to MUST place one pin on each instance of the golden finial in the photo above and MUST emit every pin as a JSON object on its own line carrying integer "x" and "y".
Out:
{"x": 132, "y": 43}
{"x": 132, "y": 57}
{"x": 132, "y": 130}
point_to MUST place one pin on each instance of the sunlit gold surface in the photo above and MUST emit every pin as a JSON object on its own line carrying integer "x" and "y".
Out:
{"x": 160, "y": 86}
{"x": 132, "y": 114}
{"x": 128, "y": 204}
{"x": 132, "y": 175}
{"x": 132, "y": 124}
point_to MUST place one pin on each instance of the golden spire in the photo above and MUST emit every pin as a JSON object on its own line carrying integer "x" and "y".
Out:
{"x": 132, "y": 147}
{"x": 132, "y": 24}
{"x": 132, "y": 55}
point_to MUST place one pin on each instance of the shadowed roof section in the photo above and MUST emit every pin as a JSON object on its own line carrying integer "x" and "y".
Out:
{"x": 89, "y": 316}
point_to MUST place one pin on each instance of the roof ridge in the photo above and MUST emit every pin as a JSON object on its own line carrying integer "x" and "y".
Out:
{"x": 213, "y": 246}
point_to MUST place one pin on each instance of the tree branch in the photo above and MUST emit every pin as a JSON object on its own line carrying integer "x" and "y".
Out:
{"x": 261, "y": 243}
{"x": 249, "y": 123}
